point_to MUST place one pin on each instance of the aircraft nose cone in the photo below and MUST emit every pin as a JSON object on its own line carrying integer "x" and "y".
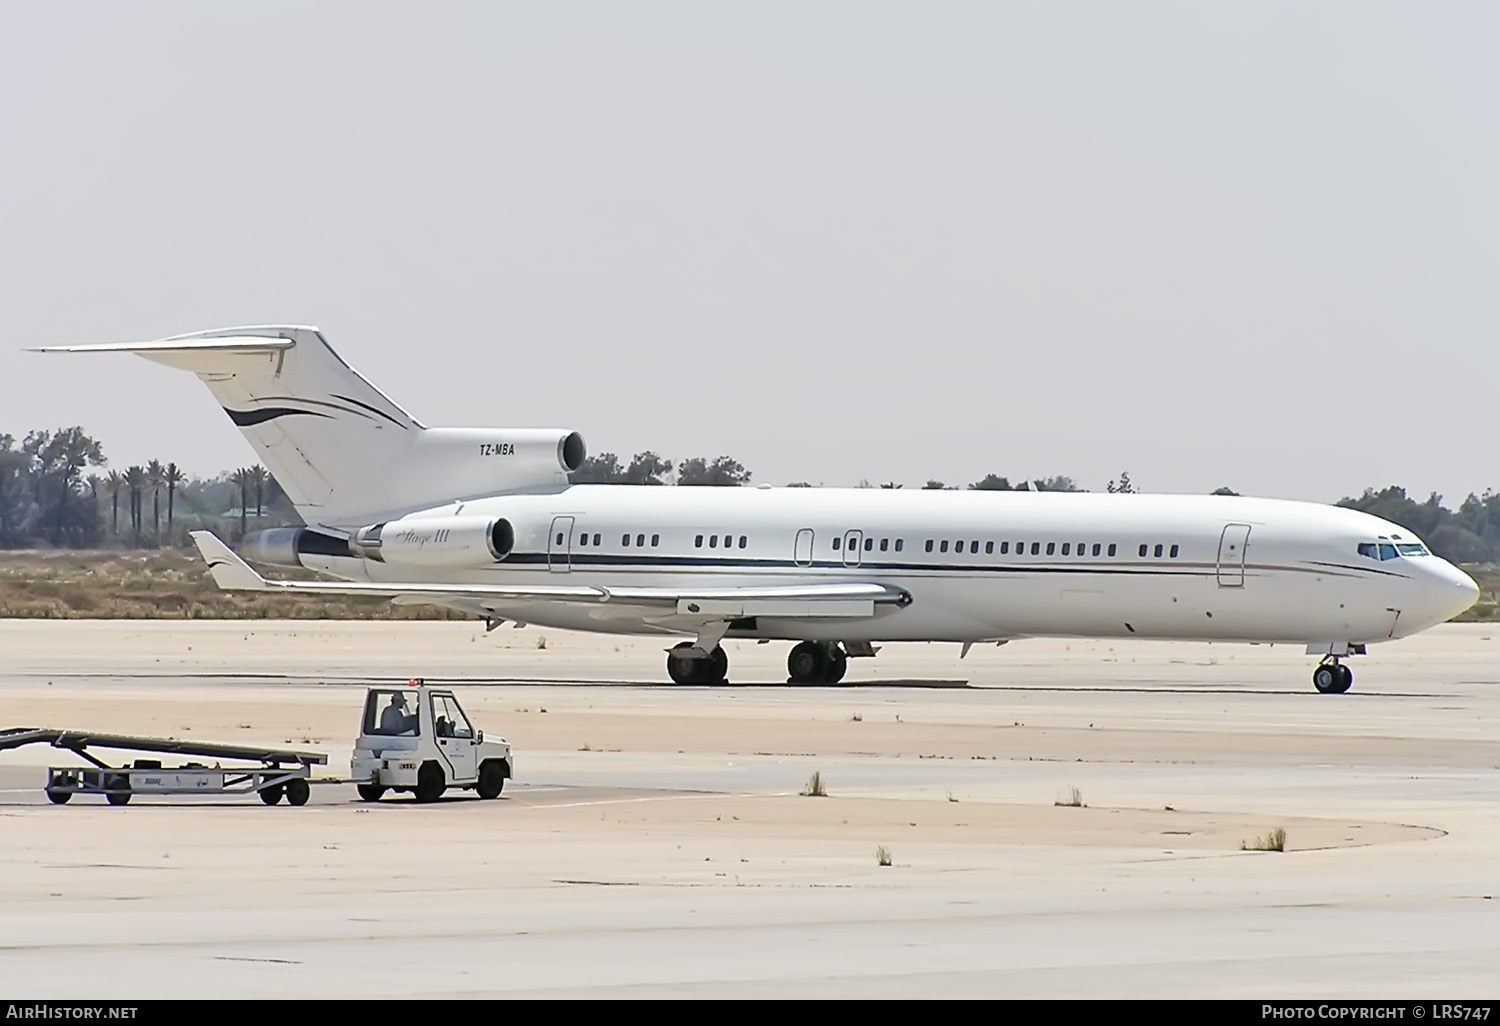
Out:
{"x": 1454, "y": 591}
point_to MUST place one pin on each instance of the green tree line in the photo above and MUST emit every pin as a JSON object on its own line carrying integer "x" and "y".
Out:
{"x": 56, "y": 490}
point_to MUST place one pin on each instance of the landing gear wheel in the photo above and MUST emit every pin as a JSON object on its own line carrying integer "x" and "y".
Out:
{"x": 119, "y": 790}
{"x": 491, "y": 780}
{"x": 271, "y": 795}
{"x": 718, "y": 662}
{"x": 370, "y": 792}
{"x": 808, "y": 663}
{"x": 683, "y": 669}
{"x": 838, "y": 662}
{"x": 430, "y": 783}
{"x": 297, "y": 791}
{"x": 680, "y": 668}
{"x": 1332, "y": 678}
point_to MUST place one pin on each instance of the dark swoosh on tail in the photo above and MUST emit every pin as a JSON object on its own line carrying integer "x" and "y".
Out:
{"x": 372, "y": 409}
{"x": 249, "y": 418}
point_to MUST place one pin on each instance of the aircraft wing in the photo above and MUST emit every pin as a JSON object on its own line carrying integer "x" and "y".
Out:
{"x": 232, "y": 573}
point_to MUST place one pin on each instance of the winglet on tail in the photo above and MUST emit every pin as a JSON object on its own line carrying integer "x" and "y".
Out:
{"x": 230, "y": 571}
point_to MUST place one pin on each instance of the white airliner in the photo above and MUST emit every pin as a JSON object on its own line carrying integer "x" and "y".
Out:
{"x": 483, "y": 520}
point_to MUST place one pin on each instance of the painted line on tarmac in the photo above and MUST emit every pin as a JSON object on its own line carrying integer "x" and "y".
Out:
{"x": 661, "y": 798}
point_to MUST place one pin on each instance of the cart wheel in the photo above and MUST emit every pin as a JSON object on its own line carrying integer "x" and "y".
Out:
{"x": 297, "y": 791}
{"x": 370, "y": 792}
{"x": 491, "y": 780}
{"x": 119, "y": 790}
{"x": 58, "y": 797}
{"x": 271, "y": 795}
{"x": 430, "y": 782}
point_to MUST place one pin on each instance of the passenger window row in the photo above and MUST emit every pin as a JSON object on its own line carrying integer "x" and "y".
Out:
{"x": 713, "y": 541}
{"x": 869, "y": 546}
{"x": 1048, "y": 548}
{"x": 584, "y": 538}
{"x": 1037, "y": 548}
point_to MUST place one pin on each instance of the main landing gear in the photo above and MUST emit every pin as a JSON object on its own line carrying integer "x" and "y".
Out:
{"x": 685, "y": 666}
{"x": 817, "y": 662}
{"x": 1332, "y": 677}
{"x": 811, "y": 662}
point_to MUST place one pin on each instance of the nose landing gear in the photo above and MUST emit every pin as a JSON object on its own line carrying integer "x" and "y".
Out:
{"x": 1332, "y": 677}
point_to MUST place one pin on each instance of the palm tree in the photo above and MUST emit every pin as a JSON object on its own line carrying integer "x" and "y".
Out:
{"x": 241, "y": 477}
{"x": 116, "y": 485}
{"x": 155, "y": 478}
{"x": 173, "y": 477}
{"x": 135, "y": 480}
{"x": 258, "y": 478}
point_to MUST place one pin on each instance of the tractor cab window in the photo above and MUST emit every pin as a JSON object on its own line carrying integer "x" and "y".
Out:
{"x": 448, "y": 718}
{"x": 392, "y": 714}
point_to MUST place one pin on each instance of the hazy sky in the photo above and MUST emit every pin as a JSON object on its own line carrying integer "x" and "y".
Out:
{"x": 1251, "y": 244}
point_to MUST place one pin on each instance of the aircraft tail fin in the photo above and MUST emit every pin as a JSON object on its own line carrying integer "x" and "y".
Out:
{"x": 340, "y": 448}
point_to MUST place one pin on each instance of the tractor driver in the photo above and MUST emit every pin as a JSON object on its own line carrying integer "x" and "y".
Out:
{"x": 394, "y": 719}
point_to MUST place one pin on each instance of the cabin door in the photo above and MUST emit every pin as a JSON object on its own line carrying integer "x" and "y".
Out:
{"x": 1232, "y": 545}
{"x": 802, "y": 551}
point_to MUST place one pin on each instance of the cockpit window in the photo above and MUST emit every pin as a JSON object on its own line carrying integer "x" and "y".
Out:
{"x": 1367, "y": 549}
{"x": 1387, "y": 550}
{"x": 1409, "y": 549}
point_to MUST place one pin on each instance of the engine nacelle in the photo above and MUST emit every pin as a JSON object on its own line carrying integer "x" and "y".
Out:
{"x": 276, "y": 546}
{"x": 436, "y": 541}
{"x": 285, "y": 546}
{"x": 444, "y": 464}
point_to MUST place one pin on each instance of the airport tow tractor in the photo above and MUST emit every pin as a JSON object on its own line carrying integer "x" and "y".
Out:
{"x": 418, "y": 739}
{"x": 412, "y": 738}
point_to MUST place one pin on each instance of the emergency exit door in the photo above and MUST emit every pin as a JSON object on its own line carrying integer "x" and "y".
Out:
{"x": 560, "y": 545}
{"x": 1232, "y": 545}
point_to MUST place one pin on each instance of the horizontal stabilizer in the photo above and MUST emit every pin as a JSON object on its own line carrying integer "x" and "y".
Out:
{"x": 232, "y": 343}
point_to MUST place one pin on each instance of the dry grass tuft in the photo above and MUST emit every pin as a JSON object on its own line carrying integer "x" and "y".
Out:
{"x": 1073, "y": 799}
{"x": 1273, "y": 841}
{"x": 882, "y": 856}
{"x": 814, "y": 788}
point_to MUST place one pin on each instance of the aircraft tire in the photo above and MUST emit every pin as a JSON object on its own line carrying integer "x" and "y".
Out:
{"x": 1328, "y": 678}
{"x": 807, "y": 663}
{"x": 681, "y": 669}
{"x": 838, "y": 663}
{"x": 719, "y": 666}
